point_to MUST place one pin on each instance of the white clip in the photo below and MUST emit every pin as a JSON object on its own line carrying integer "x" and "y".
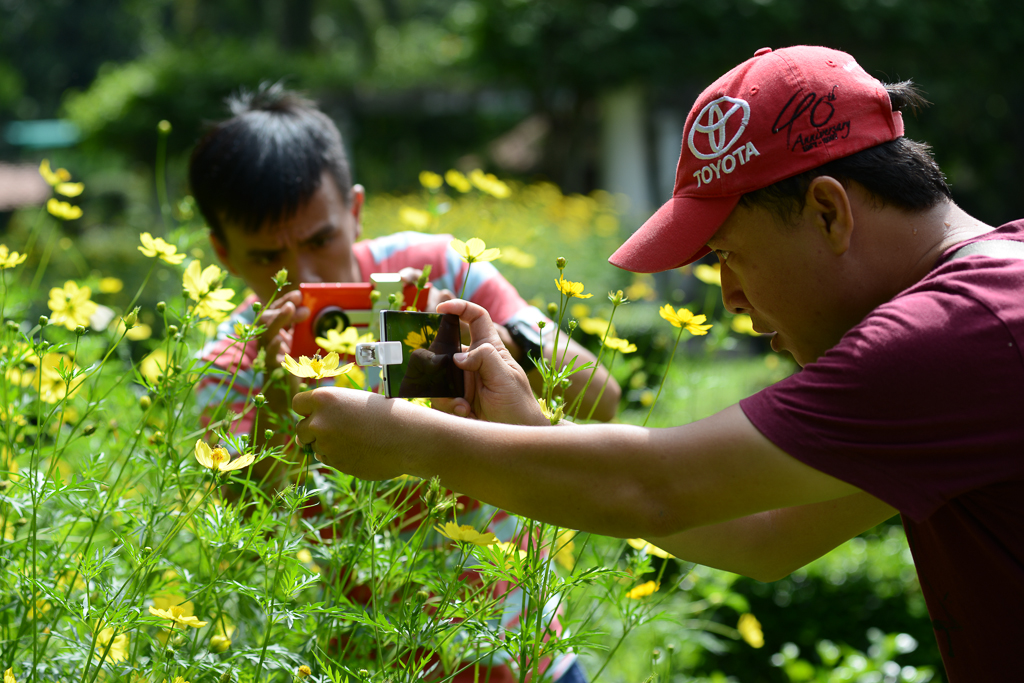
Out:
{"x": 379, "y": 353}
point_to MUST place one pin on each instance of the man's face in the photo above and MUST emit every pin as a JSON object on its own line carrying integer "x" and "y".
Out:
{"x": 785, "y": 277}
{"x": 314, "y": 245}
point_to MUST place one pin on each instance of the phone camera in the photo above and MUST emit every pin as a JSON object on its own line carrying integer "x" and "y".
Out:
{"x": 329, "y": 318}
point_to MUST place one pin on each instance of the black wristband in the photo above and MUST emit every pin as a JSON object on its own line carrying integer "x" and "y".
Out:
{"x": 528, "y": 341}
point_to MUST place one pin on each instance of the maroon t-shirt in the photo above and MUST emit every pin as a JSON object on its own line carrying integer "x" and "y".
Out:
{"x": 922, "y": 406}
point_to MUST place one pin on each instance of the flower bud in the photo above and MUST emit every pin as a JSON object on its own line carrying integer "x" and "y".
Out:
{"x": 560, "y": 262}
{"x": 364, "y": 673}
{"x": 89, "y": 429}
{"x": 226, "y": 677}
{"x": 268, "y": 434}
{"x": 11, "y": 325}
{"x": 160, "y": 306}
{"x": 566, "y": 383}
{"x": 374, "y": 296}
{"x": 145, "y": 402}
{"x": 572, "y": 325}
{"x": 131, "y": 319}
{"x": 220, "y": 643}
{"x": 422, "y": 595}
{"x": 392, "y": 299}
{"x": 164, "y": 127}
{"x": 303, "y": 386}
{"x": 616, "y": 297}
{"x": 281, "y": 278}
{"x": 542, "y": 324}
{"x": 552, "y": 309}
{"x": 303, "y": 672}
{"x": 80, "y": 330}
{"x": 259, "y": 400}
{"x": 43, "y": 321}
{"x": 172, "y": 330}
{"x": 257, "y": 307}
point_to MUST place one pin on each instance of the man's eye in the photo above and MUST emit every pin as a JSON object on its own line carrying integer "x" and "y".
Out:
{"x": 266, "y": 259}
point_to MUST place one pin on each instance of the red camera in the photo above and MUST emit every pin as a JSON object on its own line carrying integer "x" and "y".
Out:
{"x": 339, "y": 305}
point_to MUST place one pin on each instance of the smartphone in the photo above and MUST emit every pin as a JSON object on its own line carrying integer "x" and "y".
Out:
{"x": 415, "y": 353}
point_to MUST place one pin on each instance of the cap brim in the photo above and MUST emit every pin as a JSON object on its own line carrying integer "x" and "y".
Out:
{"x": 675, "y": 235}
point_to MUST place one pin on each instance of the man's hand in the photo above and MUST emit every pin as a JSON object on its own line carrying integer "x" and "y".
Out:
{"x": 354, "y": 431}
{"x": 434, "y": 295}
{"x": 278, "y": 318}
{"x": 497, "y": 389}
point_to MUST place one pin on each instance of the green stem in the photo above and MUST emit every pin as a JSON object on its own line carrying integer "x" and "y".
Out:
{"x": 161, "y": 179}
{"x": 578, "y": 403}
{"x": 597, "y": 401}
{"x": 465, "y": 281}
{"x": 664, "y": 377}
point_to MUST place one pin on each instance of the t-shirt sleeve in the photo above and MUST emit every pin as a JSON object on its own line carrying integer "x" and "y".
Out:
{"x": 917, "y": 405}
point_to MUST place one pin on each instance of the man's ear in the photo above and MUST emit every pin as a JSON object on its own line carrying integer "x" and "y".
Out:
{"x": 221, "y": 249}
{"x": 355, "y": 205}
{"x": 831, "y": 212}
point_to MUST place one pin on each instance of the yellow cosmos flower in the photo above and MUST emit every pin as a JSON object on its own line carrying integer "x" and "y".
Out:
{"x": 70, "y": 189}
{"x": 685, "y": 319}
{"x": 61, "y": 175}
{"x": 475, "y": 250}
{"x": 643, "y": 590}
{"x": 201, "y": 284}
{"x": 9, "y": 259}
{"x": 620, "y": 345}
{"x": 709, "y": 275}
{"x": 564, "y": 549}
{"x": 596, "y": 326}
{"x": 118, "y": 645}
{"x": 52, "y": 387}
{"x": 343, "y": 343}
{"x": 9, "y": 676}
{"x": 219, "y": 460}
{"x": 487, "y": 182}
{"x": 137, "y": 333}
{"x": 650, "y": 549}
{"x": 457, "y": 180}
{"x": 154, "y": 365}
{"x": 430, "y": 180}
{"x": 71, "y": 305}
{"x": 420, "y": 340}
{"x": 63, "y": 210}
{"x": 156, "y": 247}
{"x": 466, "y": 534}
{"x": 416, "y": 218}
{"x": 742, "y": 324}
{"x": 316, "y": 367}
{"x": 179, "y": 614}
{"x": 750, "y": 628}
{"x": 221, "y": 641}
{"x": 111, "y": 285}
{"x": 514, "y": 256}
{"x": 571, "y": 289}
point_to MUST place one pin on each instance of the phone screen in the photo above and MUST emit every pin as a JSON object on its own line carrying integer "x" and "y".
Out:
{"x": 427, "y": 370}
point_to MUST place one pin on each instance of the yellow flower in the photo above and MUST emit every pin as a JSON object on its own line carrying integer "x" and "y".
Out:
{"x": 750, "y": 628}
{"x": 219, "y": 460}
{"x": 514, "y": 256}
{"x": 70, "y": 189}
{"x": 343, "y": 343}
{"x": 641, "y": 288}
{"x": 430, "y": 180}
{"x": 416, "y": 218}
{"x": 157, "y": 247}
{"x": 304, "y": 672}
{"x": 487, "y": 182}
{"x": 510, "y": 549}
{"x": 709, "y": 275}
{"x": 61, "y": 175}
{"x": 154, "y": 365}
{"x": 620, "y": 345}
{"x": 9, "y": 259}
{"x": 420, "y": 340}
{"x": 466, "y": 534}
{"x": 457, "y": 180}
{"x": 685, "y": 319}
{"x": 571, "y": 289}
{"x": 9, "y": 676}
{"x": 650, "y": 549}
{"x": 564, "y": 549}
{"x": 201, "y": 284}
{"x": 474, "y": 250}
{"x": 596, "y": 326}
{"x": 137, "y": 333}
{"x": 179, "y": 614}
{"x": 52, "y": 387}
{"x": 742, "y": 324}
{"x": 63, "y": 210}
{"x": 118, "y": 645}
{"x": 316, "y": 367}
{"x": 643, "y": 590}
{"x": 111, "y": 285}
{"x": 71, "y": 305}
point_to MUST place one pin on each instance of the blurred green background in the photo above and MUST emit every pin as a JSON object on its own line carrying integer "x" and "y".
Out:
{"x": 588, "y": 96}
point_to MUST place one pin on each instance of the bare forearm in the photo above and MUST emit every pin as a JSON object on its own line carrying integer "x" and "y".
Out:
{"x": 770, "y": 545}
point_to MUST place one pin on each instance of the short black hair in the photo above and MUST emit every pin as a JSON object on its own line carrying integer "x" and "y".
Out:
{"x": 266, "y": 161}
{"x": 901, "y": 173}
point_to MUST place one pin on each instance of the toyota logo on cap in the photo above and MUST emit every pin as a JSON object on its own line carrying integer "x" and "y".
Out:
{"x": 714, "y": 122}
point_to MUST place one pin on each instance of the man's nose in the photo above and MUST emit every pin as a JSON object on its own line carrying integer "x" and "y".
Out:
{"x": 306, "y": 271}
{"x": 733, "y": 297}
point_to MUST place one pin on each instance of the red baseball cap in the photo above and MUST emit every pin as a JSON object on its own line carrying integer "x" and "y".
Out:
{"x": 774, "y": 116}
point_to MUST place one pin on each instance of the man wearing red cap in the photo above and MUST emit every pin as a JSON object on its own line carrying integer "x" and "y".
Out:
{"x": 837, "y": 235}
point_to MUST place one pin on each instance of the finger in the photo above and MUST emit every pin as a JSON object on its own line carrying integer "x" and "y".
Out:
{"x": 487, "y": 362}
{"x": 303, "y": 403}
{"x": 274, "y": 319}
{"x": 410, "y": 275}
{"x": 481, "y": 329}
{"x": 459, "y": 407}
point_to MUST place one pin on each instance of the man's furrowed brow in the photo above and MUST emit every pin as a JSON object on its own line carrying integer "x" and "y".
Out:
{"x": 324, "y": 231}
